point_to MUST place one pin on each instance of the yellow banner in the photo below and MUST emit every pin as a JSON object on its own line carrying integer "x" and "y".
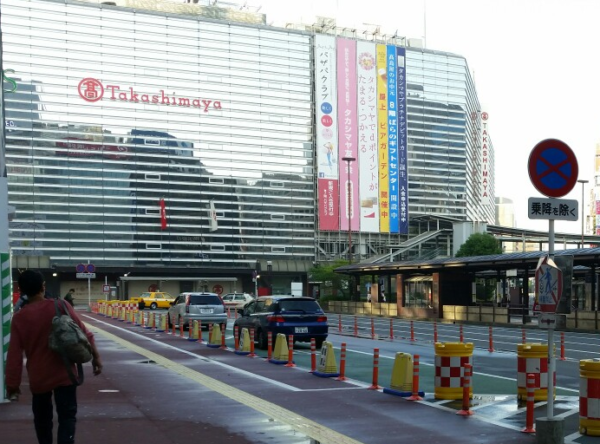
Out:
{"x": 382, "y": 137}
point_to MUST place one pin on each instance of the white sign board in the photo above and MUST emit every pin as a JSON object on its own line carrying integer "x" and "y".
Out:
{"x": 86, "y": 275}
{"x": 556, "y": 209}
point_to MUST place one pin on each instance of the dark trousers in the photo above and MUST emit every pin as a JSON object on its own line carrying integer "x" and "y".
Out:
{"x": 65, "y": 399}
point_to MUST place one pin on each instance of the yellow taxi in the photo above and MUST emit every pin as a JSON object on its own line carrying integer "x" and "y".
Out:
{"x": 155, "y": 299}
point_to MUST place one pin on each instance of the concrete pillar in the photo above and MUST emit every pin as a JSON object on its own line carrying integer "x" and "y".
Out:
{"x": 550, "y": 431}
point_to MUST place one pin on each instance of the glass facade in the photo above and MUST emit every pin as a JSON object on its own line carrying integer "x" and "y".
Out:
{"x": 139, "y": 138}
{"x": 117, "y": 111}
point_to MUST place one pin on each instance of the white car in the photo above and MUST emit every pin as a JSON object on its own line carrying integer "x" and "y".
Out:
{"x": 236, "y": 300}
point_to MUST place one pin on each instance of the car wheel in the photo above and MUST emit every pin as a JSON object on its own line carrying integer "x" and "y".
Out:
{"x": 263, "y": 340}
{"x": 153, "y": 306}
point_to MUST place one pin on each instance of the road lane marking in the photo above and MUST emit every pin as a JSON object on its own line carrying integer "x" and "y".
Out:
{"x": 303, "y": 425}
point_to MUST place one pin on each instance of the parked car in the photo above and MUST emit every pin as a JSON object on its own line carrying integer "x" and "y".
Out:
{"x": 197, "y": 306}
{"x": 236, "y": 300}
{"x": 155, "y": 299}
{"x": 302, "y": 317}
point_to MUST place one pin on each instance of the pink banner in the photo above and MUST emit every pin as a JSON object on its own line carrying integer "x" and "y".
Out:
{"x": 347, "y": 133}
{"x": 328, "y": 204}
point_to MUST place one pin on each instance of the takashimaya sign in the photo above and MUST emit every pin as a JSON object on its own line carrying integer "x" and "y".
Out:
{"x": 92, "y": 90}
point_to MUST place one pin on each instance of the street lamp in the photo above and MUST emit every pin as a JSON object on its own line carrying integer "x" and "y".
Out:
{"x": 582, "y": 182}
{"x": 348, "y": 161}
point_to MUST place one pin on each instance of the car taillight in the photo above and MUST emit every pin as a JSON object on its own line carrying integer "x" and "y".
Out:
{"x": 275, "y": 319}
{"x": 322, "y": 319}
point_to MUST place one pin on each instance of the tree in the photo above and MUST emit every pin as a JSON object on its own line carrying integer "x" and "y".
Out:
{"x": 479, "y": 244}
{"x": 332, "y": 282}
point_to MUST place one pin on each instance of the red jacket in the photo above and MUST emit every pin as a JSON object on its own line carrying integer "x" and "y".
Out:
{"x": 29, "y": 332}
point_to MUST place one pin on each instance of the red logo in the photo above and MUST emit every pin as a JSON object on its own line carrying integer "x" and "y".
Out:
{"x": 484, "y": 116}
{"x": 90, "y": 89}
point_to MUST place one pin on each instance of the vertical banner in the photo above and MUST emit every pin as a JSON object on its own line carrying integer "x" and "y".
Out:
{"x": 326, "y": 137}
{"x": 382, "y": 139}
{"x": 402, "y": 141}
{"x": 485, "y": 166}
{"x": 392, "y": 121}
{"x": 367, "y": 137}
{"x": 348, "y": 136}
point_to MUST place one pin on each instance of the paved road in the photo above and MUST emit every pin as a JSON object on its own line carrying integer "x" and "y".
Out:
{"x": 159, "y": 388}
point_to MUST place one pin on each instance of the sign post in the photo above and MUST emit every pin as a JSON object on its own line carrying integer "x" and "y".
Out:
{"x": 86, "y": 271}
{"x": 553, "y": 171}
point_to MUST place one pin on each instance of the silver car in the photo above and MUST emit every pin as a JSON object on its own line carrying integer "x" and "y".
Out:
{"x": 205, "y": 307}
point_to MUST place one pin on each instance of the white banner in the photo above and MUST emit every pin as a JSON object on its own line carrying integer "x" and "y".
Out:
{"x": 367, "y": 137}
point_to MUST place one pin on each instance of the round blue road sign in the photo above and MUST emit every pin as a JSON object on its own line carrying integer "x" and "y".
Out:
{"x": 553, "y": 168}
{"x": 80, "y": 268}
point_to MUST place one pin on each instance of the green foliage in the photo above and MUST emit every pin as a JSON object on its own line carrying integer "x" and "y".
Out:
{"x": 334, "y": 286}
{"x": 479, "y": 244}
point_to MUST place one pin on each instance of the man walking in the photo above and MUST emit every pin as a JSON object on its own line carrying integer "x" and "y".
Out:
{"x": 69, "y": 297}
{"x": 48, "y": 375}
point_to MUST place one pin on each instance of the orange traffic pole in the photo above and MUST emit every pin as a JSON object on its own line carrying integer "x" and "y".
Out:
{"x": 142, "y": 319}
{"x": 342, "y": 376}
{"x": 209, "y": 332}
{"x": 530, "y": 404}
{"x": 491, "y": 348}
{"x": 313, "y": 355}
{"x": 190, "y": 328}
{"x": 372, "y": 329}
{"x": 269, "y": 345}
{"x": 223, "y": 345}
{"x": 523, "y": 336}
{"x": 340, "y": 323}
{"x": 415, "y": 385}
{"x": 466, "y": 385}
{"x": 181, "y": 328}
{"x": 290, "y": 362}
{"x": 199, "y": 331}
{"x": 173, "y": 328}
{"x": 412, "y": 331}
{"x": 391, "y": 329}
{"x": 375, "y": 385}
{"x": 252, "y": 354}
{"x": 236, "y": 337}
{"x": 562, "y": 346}
{"x": 461, "y": 337}
{"x": 435, "y": 337}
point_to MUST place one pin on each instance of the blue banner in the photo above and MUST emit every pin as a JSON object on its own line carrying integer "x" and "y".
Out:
{"x": 392, "y": 107}
{"x": 402, "y": 141}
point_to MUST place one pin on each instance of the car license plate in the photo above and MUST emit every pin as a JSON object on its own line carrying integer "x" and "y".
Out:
{"x": 206, "y": 310}
{"x": 301, "y": 329}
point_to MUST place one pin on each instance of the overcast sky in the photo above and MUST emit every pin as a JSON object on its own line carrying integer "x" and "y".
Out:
{"x": 535, "y": 64}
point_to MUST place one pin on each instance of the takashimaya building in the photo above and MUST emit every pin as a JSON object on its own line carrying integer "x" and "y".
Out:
{"x": 162, "y": 144}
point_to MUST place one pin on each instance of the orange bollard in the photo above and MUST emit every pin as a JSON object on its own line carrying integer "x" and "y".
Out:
{"x": 562, "y": 346}
{"x": 529, "y": 420}
{"x": 340, "y": 323}
{"x": 412, "y": 331}
{"x": 355, "y": 326}
{"x": 236, "y": 337}
{"x": 313, "y": 356}
{"x": 190, "y": 328}
{"x": 435, "y": 337}
{"x": 252, "y": 354}
{"x": 223, "y": 345}
{"x": 466, "y": 385}
{"x": 199, "y": 331}
{"x": 415, "y": 385}
{"x": 181, "y": 329}
{"x": 143, "y": 318}
{"x": 173, "y": 328}
{"x": 375, "y": 385}
{"x": 491, "y": 348}
{"x": 269, "y": 345}
{"x": 461, "y": 337}
{"x": 391, "y": 329}
{"x": 290, "y": 362}
{"x": 342, "y": 376}
{"x": 372, "y": 329}
{"x": 209, "y": 332}
{"x": 523, "y": 336}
